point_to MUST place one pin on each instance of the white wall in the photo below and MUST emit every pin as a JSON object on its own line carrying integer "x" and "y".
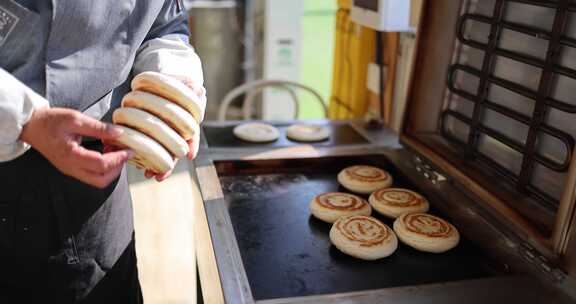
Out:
{"x": 282, "y": 44}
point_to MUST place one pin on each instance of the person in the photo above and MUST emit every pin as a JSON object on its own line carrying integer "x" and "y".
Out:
{"x": 66, "y": 226}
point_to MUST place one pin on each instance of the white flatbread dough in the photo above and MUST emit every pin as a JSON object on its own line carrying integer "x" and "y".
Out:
{"x": 307, "y": 132}
{"x": 393, "y": 202}
{"x": 364, "y": 179}
{"x": 331, "y": 206}
{"x": 153, "y": 127}
{"x": 426, "y": 232}
{"x": 256, "y": 132}
{"x": 363, "y": 237}
{"x": 171, "y": 89}
{"x": 148, "y": 153}
{"x": 172, "y": 114}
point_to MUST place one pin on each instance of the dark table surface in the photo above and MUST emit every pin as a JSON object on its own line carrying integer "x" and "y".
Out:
{"x": 340, "y": 134}
{"x": 286, "y": 252}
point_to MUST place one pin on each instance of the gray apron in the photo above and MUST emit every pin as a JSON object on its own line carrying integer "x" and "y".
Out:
{"x": 61, "y": 239}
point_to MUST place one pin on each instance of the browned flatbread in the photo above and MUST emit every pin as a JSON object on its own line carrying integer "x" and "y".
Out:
{"x": 364, "y": 179}
{"x": 330, "y": 206}
{"x": 393, "y": 202}
{"x": 426, "y": 232}
{"x": 363, "y": 237}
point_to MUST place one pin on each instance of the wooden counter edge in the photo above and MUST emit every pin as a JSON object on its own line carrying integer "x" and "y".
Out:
{"x": 209, "y": 274}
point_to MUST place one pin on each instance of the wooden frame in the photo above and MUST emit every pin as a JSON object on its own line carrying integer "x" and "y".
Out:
{"x": 205, "y": 256}
{"x": 425, "y": 101}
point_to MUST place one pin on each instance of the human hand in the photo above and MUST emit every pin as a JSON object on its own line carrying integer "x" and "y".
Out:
{"x": 57, "y": 134}
{"x": 194, "y": 143}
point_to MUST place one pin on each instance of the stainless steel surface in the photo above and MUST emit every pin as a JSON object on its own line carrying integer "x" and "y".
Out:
{"x": 216, "y": 32}
{"x": 233, "y": 277}
{"x": 249, "y": 65}
{"x": 384, "y": 137}
{"x": 494, "y": 291}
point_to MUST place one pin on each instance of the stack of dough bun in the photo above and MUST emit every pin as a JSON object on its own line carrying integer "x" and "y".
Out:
{"x": 158, "y": 117}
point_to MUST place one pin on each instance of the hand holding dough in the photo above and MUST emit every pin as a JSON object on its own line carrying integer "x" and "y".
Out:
{"x": 162, "y": 116}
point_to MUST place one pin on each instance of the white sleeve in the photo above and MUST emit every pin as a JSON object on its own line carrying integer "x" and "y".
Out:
{"x": 172, "y": 56}
{"x": 17, "y": 103}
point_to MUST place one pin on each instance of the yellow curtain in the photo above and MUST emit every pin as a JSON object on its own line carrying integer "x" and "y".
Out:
{"x": 354, "y": 50}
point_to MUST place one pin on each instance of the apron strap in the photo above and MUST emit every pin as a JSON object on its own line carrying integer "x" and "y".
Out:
{"x": 96, "y": 101}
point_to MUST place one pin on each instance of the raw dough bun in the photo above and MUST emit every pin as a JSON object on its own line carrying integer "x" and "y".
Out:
{"x": 149, "y": 154}
{"x": 307, "y": 132}
{"x": 363, "y": 237}
{"x": 364, "y": 179}
{"x": 426, "y": 232}
{"x": 330, "y": 206}
{"x": 256, "y": 132}
{"x": 393, "y": 202}
{"x": 153, "y": 127}
{"x": 173, "y": 115}
{"x": 171, "y": 89}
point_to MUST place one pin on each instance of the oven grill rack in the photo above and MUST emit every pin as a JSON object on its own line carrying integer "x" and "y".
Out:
{"x": 536, "y": 122}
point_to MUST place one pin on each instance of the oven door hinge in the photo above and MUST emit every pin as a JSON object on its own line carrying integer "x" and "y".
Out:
{"x": 425, "y": 169}
{"x": 535, "y": 258}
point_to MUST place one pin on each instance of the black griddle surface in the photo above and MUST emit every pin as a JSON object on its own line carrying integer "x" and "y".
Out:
{"x": 287, "y": 253}
{"x": 340, "y": 134}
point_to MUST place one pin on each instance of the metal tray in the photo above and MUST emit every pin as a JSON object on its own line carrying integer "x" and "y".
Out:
{"x": 287, "y": 253}
{"x": 340, "y": 134}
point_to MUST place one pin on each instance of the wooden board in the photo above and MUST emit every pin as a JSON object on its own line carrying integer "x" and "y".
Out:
{"x": 207, "y": 266}
{"x": 164, "y": 223}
